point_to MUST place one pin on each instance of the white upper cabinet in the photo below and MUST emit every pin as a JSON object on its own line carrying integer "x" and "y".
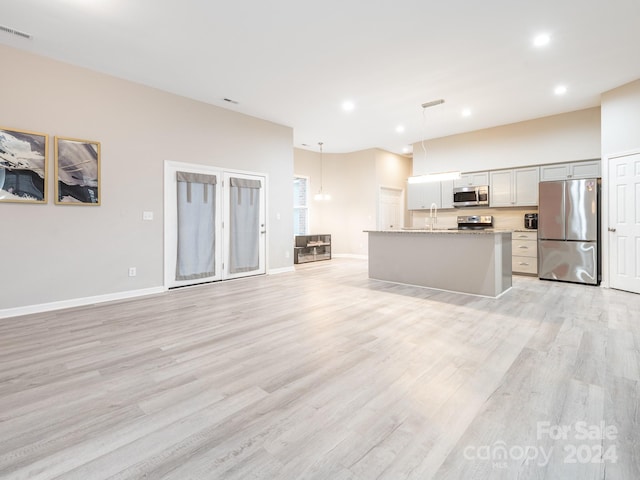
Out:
{"x": 446, "y": 194}
{"x": 526, "y": 186}
{"x": 514, "y": 188}
{"x": 420, "y": 196}
{"x": 563, "y": 171}
{"x": 472, "y": 179}
{"x": 501, "y": 188}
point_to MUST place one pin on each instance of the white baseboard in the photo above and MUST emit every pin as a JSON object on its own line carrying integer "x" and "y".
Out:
{"x": 350, "y": 255}
{"x": 275, "y": 271}
{"x": 78, "y": 302}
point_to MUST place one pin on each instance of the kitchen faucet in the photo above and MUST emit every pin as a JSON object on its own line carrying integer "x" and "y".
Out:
{"x": 434, "y": 218}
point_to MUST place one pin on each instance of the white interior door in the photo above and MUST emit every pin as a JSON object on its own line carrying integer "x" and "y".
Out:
{"x": 244, "y": 225}
{"x": 390, "y": 208}
{"x": 624, "y": 223}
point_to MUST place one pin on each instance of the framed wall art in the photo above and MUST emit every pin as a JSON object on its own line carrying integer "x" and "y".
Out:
{"x": 77, "y": 172}
{"x": 23, "y": 166}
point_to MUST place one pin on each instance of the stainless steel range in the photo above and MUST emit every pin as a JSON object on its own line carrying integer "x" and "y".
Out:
{"x": 474, "y": 222}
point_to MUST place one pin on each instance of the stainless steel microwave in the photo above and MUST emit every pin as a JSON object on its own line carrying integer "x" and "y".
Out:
{"x": 477, "y": 196}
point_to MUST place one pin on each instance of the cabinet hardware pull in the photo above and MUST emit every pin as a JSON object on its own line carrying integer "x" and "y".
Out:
{"x": 611, "y": 229}
{"x": 523, "y": 264}
{"x": 523, "y": 246}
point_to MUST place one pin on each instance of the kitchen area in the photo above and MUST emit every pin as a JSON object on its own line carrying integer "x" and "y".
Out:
{"x": 540, "y": 220}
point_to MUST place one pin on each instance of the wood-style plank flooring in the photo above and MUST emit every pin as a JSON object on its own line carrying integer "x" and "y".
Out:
{"x": 325, "y": 374}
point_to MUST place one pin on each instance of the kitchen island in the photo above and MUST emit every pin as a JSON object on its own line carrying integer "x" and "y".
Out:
{"x": 468, "y": 261}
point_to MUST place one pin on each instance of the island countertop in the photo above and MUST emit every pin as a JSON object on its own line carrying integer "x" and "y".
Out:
{"x": 466, "y": 261}
{"x": 455, "y": 231}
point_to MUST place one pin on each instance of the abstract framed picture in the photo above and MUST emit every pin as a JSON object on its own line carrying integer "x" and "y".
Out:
{"x": 77, "y": 172}
{"x": 23, "y": 166}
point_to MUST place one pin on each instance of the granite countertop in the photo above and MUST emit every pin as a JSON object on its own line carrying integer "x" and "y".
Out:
{"x": 455, "y": 231}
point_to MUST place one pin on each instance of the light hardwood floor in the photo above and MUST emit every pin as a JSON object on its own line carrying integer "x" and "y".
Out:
{"x": 324, "y": 374}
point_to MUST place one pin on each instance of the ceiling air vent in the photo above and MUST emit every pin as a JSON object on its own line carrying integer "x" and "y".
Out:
{"x": 13, "y": 31}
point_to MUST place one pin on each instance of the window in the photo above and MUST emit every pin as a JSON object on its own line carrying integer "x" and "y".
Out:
{"x": 300, "y": 205}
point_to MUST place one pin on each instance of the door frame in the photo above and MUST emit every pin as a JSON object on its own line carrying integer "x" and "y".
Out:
{"x": 403, "y": 205}
{"x": 170, "y": 214}
{"x": 604, "y": 212}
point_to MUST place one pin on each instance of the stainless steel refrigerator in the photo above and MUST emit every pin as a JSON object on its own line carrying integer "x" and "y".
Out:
{"x": 569, "y": 230}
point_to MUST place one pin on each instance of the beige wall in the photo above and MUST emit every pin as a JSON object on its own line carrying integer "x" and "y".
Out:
{"x": 621, "y": 119}
{"x": 353, "y": 180}
{"x": 55, "y": 253}
{"x": 558, "y": 138}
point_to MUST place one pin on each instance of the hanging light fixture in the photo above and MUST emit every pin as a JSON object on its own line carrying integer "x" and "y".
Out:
{"x": 320, "y": 195}
{"x": 432, "y": 177}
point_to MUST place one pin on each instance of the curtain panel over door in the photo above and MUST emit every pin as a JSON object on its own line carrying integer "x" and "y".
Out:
{"x": 196, "y": 225}
{"x": 245, "y": 224}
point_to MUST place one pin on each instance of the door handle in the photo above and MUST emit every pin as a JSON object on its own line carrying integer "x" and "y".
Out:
{"x": 263, "y": 231}
{"x": 611, "y": 229}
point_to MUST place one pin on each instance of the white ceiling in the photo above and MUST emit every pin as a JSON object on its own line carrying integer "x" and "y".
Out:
{"x": 294, "y": 62}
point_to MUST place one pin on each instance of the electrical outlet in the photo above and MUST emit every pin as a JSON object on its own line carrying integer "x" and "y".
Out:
{"x": 286, "y": 254}
{"x": 147, "y": 215}
{"x": 132, "y": 271}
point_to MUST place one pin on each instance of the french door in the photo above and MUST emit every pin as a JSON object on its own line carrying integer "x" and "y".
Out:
{"x": 245, "y": 228}
{"x": 214, "y": 224}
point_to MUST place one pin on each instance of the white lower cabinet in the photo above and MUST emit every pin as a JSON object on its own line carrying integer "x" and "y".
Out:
{"x": 524, "y": 252}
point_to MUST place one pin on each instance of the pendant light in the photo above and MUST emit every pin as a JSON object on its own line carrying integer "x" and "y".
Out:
{"x": 431, "y": 177}
{"x": 320, "y": 196}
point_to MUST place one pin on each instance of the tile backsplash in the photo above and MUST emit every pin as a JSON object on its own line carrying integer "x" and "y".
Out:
{"x": 504, "y": 218}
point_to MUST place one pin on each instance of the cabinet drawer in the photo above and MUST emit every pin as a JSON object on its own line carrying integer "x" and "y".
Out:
{"x": 532, "y": 235}
{"x": 521, "y": 264}
{"x": 524, "y": 248}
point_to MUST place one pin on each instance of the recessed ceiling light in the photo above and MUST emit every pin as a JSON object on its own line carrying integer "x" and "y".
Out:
{"x": 541, "y": 40}
{"x": 560, "y": 90}
{"x": 406, "y": 149}
{"x": 400, "y": 128}
{"x": 466, "y": 112}
{"x": 348, "y": 106}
